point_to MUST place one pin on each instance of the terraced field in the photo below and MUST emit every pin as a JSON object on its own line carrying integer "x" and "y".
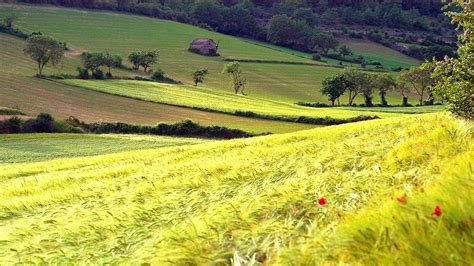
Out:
{"x": 255, "y": 200}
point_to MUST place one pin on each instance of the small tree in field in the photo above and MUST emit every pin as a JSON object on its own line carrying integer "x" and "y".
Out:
{"x": 344, "y": 51}
{"x": 324, "y": 43}
{"x": 198, "y": 76}
{"x": 148, "y": 59}
{"x": 419, "y": 78}
{"x": 334, "y": 87}
{"x": 93, "y": 62}
{"x": 237, "y": 78}
{"x": 111, "y": 61}
{"x": 44, "y": 50}
{"x": 357, "y": 83}
{"x": 402, "y": 87}
{"x": 135, "y": 59}
{"x": 384, "y": 83}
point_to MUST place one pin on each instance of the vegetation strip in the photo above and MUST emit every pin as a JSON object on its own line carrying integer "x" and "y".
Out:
{"x": 45, "y": 123}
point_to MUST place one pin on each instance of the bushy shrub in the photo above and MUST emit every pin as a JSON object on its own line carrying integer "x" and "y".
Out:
{"x": 11, "y": 125}
{"x": 316, "y": 57}
{"x": 184, "y": 128}
{"x": 44, "y": 123}
{"x": 83, "y": 73}
{"x": 158, "y": 75}
{"x": 98, "y": 74}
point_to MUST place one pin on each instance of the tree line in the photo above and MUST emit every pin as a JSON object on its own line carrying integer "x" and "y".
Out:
{"x": 418, "y": 80}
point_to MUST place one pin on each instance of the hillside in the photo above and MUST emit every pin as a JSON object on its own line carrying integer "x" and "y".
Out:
{"x": 122, "y": 34}
{"x": 211, "y": 203}
{"x": 18, "y": 88}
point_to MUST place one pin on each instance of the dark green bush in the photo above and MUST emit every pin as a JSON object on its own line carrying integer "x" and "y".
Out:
{"x": 83, "y": 73}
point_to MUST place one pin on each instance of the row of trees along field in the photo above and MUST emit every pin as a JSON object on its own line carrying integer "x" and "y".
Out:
{"x": 418, "y": 80}
{"x": 297, "y": 20}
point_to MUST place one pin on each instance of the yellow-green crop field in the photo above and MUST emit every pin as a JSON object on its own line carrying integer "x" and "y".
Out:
{"x": 43, "y": 147}
{"x": 253, "y": 201}
{"x": 199, "y": 97}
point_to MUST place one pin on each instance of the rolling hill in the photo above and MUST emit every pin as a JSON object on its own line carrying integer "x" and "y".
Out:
{"x": 18, "y": 88}
{"x": 122, "y": 34}
{"x": 254, "y": 200}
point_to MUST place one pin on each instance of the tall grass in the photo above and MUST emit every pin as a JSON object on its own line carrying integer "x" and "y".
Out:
{"x": 253, "y": 200}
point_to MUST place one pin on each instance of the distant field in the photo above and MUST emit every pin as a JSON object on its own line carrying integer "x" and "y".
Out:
{"x": 18, "y": 88}
{"x": 402, "y": 110}
{"x": 121, "y": 34}
{"x": 44, "y": 147}
{"x": 379, "y": 53}
{"x": 211, "y": 99}
{"x": 253, "y": 200}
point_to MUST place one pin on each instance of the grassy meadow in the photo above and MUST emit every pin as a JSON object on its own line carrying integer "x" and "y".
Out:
{"x": 122, "y": 34}
{"x": 44, "y": 147}
{"x": 254, "y": 200}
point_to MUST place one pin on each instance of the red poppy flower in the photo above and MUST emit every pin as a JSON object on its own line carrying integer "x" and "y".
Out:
{"x": 321, "y": 201}
{"x": 436, "y": 211}
{"x": 401, "y": 200}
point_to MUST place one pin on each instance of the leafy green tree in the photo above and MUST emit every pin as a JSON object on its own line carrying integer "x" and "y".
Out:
{"x": 357, "y": 82}
{"x": 334, "y": 87}
{"x": 281, "y": 30}
{"x": 135, "y": 59}
{"x": 208, "y": 12}
{"x": 323, "y": 43}
{"x": 344, "y": 51}
{"x": 367, "y": 86}
{"x": 111, "y": 61}
{"x": 238, "y": 80}
{"x": 148, "y": 59}
{"x": 402, "y": 87}
{"x": 92, "y": 61}
{"x": 455, "y": 76}
{"x": 44, "y": 50}
{"x": 384, "y": 83}
{"x": 143, "y": 59}
{"x": 198, "y": 76}
{"x": 305, "y": 14}
{"x": 419, "y": 78}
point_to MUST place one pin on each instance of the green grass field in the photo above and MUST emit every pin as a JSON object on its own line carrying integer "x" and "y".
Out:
{"x": 184, "y": 95}
{"x": 254, "y": 200}
{"x": 44, "y": 147}
{"x": 122, "y": 34}
{"x": 379, "y": 53}
{"x": 18, "y": 88}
